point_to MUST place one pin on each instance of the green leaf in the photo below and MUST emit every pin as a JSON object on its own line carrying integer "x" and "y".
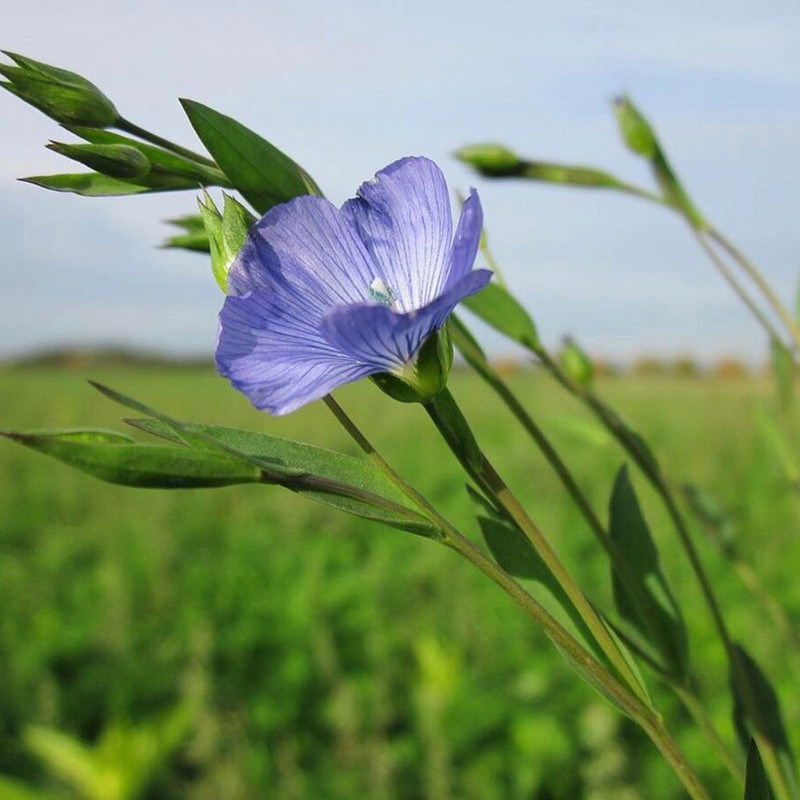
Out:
{"x": 93, "y": 184}
{"x": 161, "y": 159}
{"x": 351, "y": 484}
{"x": 756, "y": 785}
{"x": 306, "y": 469}
{"x": 261, "y": 172}
{"x": 118, "y": 459}
{"x": 757, "y": 714}
{"x": 783, "y": 367}
{"x": 497, "y": 307}
{"x": 658, "y": 627}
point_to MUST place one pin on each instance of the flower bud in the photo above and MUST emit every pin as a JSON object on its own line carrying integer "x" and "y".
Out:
{"x": 493, "y": 160}
{"x": 226, "y": 233}
{"x": 115, "y": 160}
{"x": 66, "y": 97}
{"x": 576, "y": 363}
{"x": 425, "y": 375}
{"x": 635, "y": 129}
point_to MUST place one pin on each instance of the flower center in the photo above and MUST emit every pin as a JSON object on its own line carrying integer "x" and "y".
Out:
{"x": 381, "y": 293}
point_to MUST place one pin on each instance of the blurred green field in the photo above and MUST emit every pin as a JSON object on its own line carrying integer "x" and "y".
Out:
{"x": 328, "y": 657}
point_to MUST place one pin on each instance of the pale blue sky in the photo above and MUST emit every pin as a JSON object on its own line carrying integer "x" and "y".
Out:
{"x": 346, "y": 88}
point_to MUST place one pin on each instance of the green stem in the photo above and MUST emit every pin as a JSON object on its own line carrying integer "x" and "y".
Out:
{"x": 782, "y": 784}
{"x": 135, "y": 130}
{"x": 755, "y": 275}
{"x": 592, "y": 669}
{"x": 450, "y": 422}
{"x": 693, "y": 705}
{"x": 618, "y": 558}
{"x": 734, "y": 283}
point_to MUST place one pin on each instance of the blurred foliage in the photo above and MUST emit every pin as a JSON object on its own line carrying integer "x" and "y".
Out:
{"x": 324, "y": 656}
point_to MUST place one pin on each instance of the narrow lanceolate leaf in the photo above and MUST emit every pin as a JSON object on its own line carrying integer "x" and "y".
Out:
{"x": 497, "y": 307}
{"x": 757, "y": 714}
{"x": 93, "y": 184}
{"x": 348, "y": 483}
{"x": 261, "y": 172}
{"x": 656, "y": 622}
{"x": 118, "y": 459}
{"x": 756, "y": 785}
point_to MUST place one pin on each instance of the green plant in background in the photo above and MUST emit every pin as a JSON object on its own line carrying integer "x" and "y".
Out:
{"x": 607, "y": 649}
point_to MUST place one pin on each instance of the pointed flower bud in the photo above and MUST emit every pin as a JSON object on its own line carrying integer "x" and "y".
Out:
{"x": 65, "y": 96}
{"x": 425, "y": 376}
{"x": 636, "y": 131}
{"x": 226, "y": 232}
{"x": 115, "y": 160}
{"x": 576, "y": 363}
{"x": 493, "y": 160}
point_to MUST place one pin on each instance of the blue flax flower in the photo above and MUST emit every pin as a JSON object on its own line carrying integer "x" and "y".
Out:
{"x": 321, "y": 296}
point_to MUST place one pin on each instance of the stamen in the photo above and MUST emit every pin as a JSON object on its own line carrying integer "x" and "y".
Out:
{"x": 382, "y": 293}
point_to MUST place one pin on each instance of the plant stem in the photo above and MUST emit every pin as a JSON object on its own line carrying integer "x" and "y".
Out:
{"x": 618, "y": 558}
{"x": 734, "y": 283}
{"x": 451, "y": 423}
{"x": 135, "y": 130}
{"x": 755, "y": 274}
{"x": 592, "y": 669}
{"x": 650, "y": 722}
{"x": 782, "y": 783}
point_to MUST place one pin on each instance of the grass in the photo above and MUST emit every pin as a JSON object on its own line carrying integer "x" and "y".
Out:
{"x": 326, "y": 656}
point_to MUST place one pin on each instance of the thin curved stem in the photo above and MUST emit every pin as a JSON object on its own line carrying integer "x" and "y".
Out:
{"x": 755, "y": 275}
{"x": 592, "y": 669}
{"x": 734, "y": 283}
{"x": 449, "y": 420}
{"x": 130, "y": 127}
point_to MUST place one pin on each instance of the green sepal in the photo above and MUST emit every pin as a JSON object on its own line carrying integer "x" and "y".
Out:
{"x": 225, "y": 233}
{"x": 64, "y": 96}
{"x": 425, "y": 376}
{"x": 114, "y": 160}
{"x": 261, "y": 172}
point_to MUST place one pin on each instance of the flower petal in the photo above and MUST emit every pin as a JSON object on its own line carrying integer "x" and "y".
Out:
{"x": 273, "y": 352}
{"x": 403, "y": 217}
{"x": 466, "y": 241}
{"x": 384, "y": 340}
{"x": 306, "y": 249}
